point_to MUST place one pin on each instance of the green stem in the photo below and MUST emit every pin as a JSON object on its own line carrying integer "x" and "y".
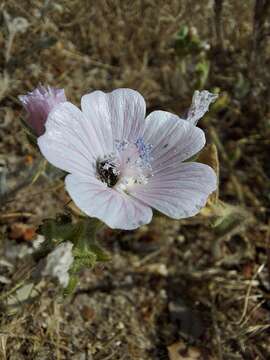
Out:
{"x": 86, "y": 231}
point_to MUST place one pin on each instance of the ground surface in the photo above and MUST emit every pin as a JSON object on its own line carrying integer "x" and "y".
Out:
{"x": 172, "y": 290}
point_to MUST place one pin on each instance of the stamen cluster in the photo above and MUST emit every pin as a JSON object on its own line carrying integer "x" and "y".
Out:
{"x": 127, "y": 165}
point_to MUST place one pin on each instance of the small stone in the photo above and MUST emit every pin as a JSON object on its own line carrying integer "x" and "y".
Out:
{"x": 163, "y": 294}
{"x": 160, "y": 269}
{"x": 181, "y": 239}
{"x": 87, "y": 313}
{"x": 120, "y": 326}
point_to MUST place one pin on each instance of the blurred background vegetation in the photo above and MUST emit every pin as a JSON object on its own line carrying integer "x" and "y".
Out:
{"x": 195, "y": 289}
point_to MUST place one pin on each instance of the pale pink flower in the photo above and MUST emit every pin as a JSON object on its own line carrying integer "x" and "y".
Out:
{"x": 38, "y": 105}
{"x": 121, "y": 164}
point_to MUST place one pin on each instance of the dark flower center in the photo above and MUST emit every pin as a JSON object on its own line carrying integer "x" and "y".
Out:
{"x": 107, "y": 172}
{"x": 127, "y": 165}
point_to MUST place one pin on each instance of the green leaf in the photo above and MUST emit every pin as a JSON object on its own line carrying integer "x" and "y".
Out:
{"x": 58, "y": 229}
{"x": 73, "y": 281}
{"x": 202, "y": 70}
{"x": 101, "y": 254}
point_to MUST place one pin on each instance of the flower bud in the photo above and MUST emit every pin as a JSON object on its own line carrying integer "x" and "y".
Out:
{"x": 38, "y": 105}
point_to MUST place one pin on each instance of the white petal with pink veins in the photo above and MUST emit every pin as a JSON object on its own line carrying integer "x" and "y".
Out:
{"x": 122, "y": 110}
{"x": 96, "y": 110}
{"x": 117, "y": 210}
{"x": 179, "y": 192}
{"x": 70, "y": 141}
{"x": 174, "y": 140}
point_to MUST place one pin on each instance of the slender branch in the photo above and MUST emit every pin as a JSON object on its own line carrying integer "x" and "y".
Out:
{"x": 218, "y": 7}
{"x": 261, "y": 12}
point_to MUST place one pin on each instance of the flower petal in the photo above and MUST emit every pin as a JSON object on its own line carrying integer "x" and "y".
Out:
{"x": 122, "y": 111}
{"x": 178, "y": 193}
{"x": 117, "y": 210}
{"x": 70, "y": 142}
{"x": 174, "y": 140}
